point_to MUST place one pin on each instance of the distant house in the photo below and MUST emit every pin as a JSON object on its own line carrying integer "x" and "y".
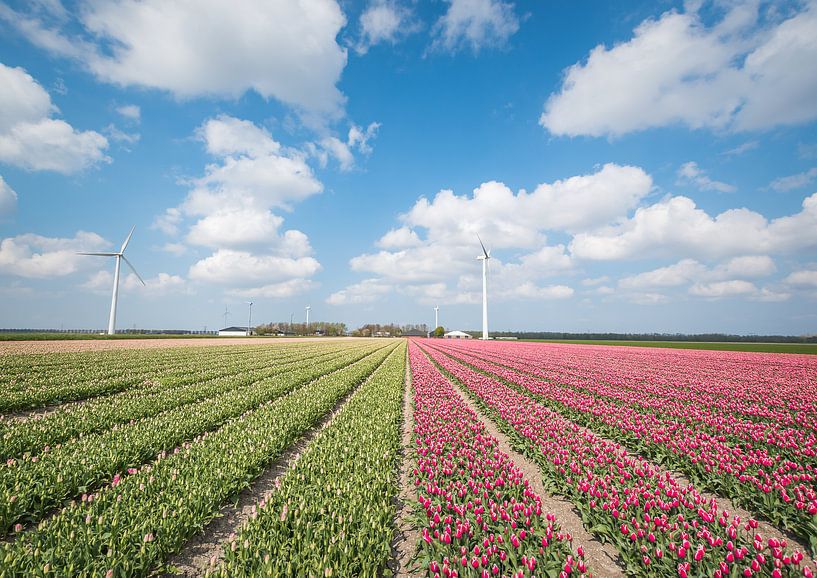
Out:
{"x": 232, "y": 332}
{"x": 457, "y": 335}
{"x": 414, "y": 333}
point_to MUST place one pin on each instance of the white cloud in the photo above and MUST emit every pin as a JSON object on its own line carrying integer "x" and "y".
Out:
{"x": 174, "y": 248}
{"x": 675, "y": 226}
{"x": 130, "y": 111}
{"x": 723, "y": 289}
{"x": 276, "y": 290}
{"x": 8, "y": 198}
{"x": 593, "y": 281}
{"x": 241, "y": 268}
{"x": 158, "y": 286}
{"x": 280, "y": 49}
{"x": 672, "y": 276}
{"x": 383, "y": 21}
{"x": 120, "y": 136}
{"x": 31, "y": 139}
{"x": 399, "y": 238}
{"x": 741, "y": 148}
{"x": 254, "y": 171}
{"x": 35, "y": 256}
{"x": 344, "y": 151}
{"x": 509, "y": 220}
{"x": 693, "y": 174}
{"x": 689, "y": 270}
{"x": 231, "y": 208}
{"x": 366, "y": 291}
{"x": 435, "y": 247}
{"x": 736, "y": 75}
{"x": 792, "y": 182}
{"x": 804, "y": 278}
{"x": 475, "y": 24}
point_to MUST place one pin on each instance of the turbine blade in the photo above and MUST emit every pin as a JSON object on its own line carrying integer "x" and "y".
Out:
{"x": 484, "y": 252}
{"x": 100, "y": 254}
{"x": 125, "y": 244}
{"x": 132, "y": 268}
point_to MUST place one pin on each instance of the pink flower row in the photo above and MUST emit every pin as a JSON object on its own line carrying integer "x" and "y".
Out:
{"x": 656, "y": 523}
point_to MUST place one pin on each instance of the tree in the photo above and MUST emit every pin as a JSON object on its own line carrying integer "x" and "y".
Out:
{"x": 439, "y": 332}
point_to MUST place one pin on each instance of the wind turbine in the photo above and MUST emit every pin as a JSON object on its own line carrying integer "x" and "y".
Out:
{"x": 249, "y": 320}
{"x": 119, "y": 257}
{"x": 484, "y": 258}
{"x": 307, "y": 318}
{"x": 436, "y": 316}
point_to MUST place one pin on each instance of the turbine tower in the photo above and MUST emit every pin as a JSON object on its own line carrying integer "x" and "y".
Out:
{"x": 119, "y": 257}
{"x": 307, "y": 318}
{"x": 249, "y": 320}
{"x": 484, "y": 258}
{"x": 436, "y": 316}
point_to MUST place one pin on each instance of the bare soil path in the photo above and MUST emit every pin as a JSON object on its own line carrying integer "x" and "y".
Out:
{"x": 407, "y": 538}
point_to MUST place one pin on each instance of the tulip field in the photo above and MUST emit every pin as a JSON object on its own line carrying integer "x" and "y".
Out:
{"x": 681, "y": 462}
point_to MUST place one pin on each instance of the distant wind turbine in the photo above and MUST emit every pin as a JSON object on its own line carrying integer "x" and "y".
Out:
{"x": 307, "y": 318}
{"x": 119, "y": 257}
{"x": 484, "y": 258}
{"x": 436, "y": 316}
{"x": 249, "y": 320}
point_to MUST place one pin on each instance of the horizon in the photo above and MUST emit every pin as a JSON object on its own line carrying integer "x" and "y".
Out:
{"x": 639, "y": 169}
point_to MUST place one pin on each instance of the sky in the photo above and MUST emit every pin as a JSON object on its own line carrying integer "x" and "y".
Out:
{"x": 639, "y": 166}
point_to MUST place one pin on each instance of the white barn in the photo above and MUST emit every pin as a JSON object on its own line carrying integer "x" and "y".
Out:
{"x": 232, "y": 332}
{"x": 457, "y": 335}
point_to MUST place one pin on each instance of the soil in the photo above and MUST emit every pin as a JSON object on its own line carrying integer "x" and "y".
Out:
{"x": 405, "y": 543}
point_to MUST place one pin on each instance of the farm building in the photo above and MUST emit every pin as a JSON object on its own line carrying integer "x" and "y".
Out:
{"x": 414, "y": 333}
{"x": 232, "y": 332}
{"x": 457, "y": 335}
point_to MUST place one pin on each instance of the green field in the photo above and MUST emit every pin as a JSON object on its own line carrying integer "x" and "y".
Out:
{"x": 807, "y": 348}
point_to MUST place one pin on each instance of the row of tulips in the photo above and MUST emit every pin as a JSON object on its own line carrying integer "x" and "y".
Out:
{"x": 782, "y": 486}
{"x": 18, "y": 437}
{"x": 33, "y": 382}
{"x": 333, "y": 512}
{"x": 33, "y": 485}
{"x": 479, "y": 516}
{"x": 726, "y": 382}
{"x": 131, "y": 526}
{"x": 660, "y": 527}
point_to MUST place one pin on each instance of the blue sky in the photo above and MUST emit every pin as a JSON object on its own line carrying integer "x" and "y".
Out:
{"x": 638, "y": 166}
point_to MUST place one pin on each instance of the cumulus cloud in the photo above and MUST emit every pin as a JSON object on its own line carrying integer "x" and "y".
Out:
{"x": 158, "y": 286}
{"x": 435, "y": 247}
{"x": 474, "y": 24}
{"x": 366, "y": 291}
{"x": 35, "y": 256}
{"x": 723, "y": 289}
{"x": 688, "y": 271}
{"x": 230, "y": 209}
{"x": 792, "y": 182}
{"x": 280, "y": 49}
{"x": 8, "y": 198}
{"x": 31, "y": 139}
{"x": 383, "y": 21}
{"x": 691, "y": 173}
{"x": 242, "y": 268}
{"x": 804, "y": 278}
{"x": 743, "y": 73}
{"x": 675, "y": 225}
